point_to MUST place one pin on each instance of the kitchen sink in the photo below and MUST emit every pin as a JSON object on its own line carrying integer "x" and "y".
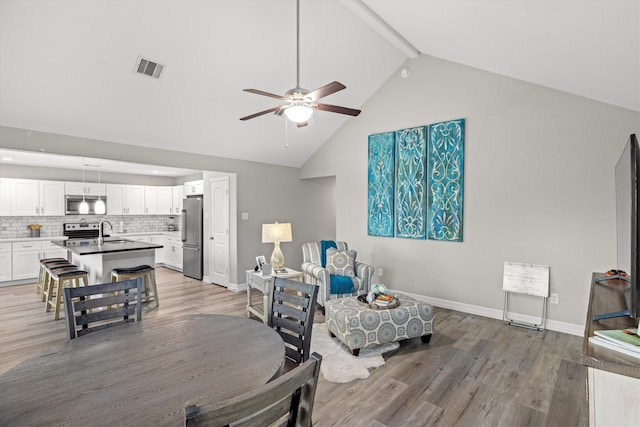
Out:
{"x": 117, "y": 241}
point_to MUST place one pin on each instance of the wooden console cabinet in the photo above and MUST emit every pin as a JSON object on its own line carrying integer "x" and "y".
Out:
{"x": 614, "y": 378}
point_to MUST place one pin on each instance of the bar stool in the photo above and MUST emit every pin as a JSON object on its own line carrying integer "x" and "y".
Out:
{"x": 43, "y": 279}
{"x": 147, "y": 273}
{"x": 60, "y": 278}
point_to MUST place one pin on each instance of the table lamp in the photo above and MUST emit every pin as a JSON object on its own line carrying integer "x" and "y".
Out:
{"x": 276, "y": 233}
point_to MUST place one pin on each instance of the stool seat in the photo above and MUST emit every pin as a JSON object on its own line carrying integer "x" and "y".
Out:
{"x": 146, "y": 272}
{"x": 132, "y": 270}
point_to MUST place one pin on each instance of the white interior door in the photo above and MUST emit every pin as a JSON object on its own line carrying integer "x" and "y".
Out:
{"x": 219, "y": 231}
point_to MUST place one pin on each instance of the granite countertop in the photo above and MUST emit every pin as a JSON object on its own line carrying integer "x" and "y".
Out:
{"x": 33, "y": 239}
{"x": 119, "y": 235}
{"x": 110, "y": 245}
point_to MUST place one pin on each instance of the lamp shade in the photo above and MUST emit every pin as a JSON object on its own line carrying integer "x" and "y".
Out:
{"x": 272, "y": 233}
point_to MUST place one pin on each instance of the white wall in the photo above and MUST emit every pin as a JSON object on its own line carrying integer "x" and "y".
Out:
{"x": 538, "y": 185}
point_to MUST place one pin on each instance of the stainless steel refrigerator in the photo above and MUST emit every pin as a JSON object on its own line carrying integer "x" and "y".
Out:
{"x": 191, "y": 231}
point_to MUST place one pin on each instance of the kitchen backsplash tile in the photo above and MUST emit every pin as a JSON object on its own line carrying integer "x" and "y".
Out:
{"x": 17, "y": 226}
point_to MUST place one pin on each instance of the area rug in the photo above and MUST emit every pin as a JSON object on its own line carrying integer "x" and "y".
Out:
{"x": 338, "y": 364}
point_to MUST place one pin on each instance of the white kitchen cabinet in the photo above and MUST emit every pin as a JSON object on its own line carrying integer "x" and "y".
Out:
{"x": 161, "y": 252}
{"x": 115, "y": 199}
{"x": 150, "y": 200}
{"x": 86, "y": 188}
{"x": 134, "y": 195}
{"x": 52, "y": 198}
{"x": 32, "y": 197}
{"x": 25, "y": 197}
{"x": 165, "y": 200}
{"x": 178, "y": 195}
{"x": 5, "y": 262}
{"x": 5, "y": 197}
{"x": 193, "y": 188}
{"x": 173, "y": 254}
{"x": 125, "y": 199}
{"x": 26, "y": 259}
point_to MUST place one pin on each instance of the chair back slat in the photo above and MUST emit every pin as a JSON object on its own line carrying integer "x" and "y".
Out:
{"x": 291, "y": 394}
{"x": 291, "y": 309}
{"x": 90, "y": 307}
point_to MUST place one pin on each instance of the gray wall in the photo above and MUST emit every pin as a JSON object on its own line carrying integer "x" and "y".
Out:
{"x": 538, "y": 187}
{"x": 268, "y": 193}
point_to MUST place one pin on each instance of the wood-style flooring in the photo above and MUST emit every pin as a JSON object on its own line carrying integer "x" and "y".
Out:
{"x": 475, "y": 371}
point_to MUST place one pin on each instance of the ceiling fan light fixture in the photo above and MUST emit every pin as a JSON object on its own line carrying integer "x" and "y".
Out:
{"x": 299, "y": 113}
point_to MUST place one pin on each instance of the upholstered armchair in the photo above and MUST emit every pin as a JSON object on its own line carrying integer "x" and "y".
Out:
{"x": 316, "y": 274}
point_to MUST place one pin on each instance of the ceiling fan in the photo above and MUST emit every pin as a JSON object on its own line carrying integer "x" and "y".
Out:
{"x": 299, "y": 103}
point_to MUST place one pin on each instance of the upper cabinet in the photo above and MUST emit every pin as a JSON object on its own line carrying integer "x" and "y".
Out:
{"x": 125, "y": 199}
{"x": 193, "y": 188}
{"x": 178, "y": 196}
{"x": 85, "y": 188}
{"x": 165, "y": 200}
{"x": 31, "y": 197}
{"x": 150, "y": 200}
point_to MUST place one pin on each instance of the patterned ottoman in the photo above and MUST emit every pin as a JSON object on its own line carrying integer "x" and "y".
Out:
{"x": 359, "y": 326}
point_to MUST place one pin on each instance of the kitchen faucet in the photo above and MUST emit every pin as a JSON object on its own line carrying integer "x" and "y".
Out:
{"x": 101, "y": 231}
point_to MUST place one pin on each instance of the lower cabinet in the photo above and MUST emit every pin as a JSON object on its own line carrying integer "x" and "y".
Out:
{"x": 23, "y": 260}
{"x": 26, "y": 257}
{"x": 5, "y": 262}
{"x": 160, "y": 253}
{"x": 173, "y": 254}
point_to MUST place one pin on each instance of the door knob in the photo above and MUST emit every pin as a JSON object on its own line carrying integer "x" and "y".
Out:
{"x": 211, "y": 238}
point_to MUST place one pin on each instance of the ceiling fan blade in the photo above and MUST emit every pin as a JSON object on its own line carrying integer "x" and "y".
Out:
{"x": 337, "y": 109}
{"x": 325, "y": 90}
{"x": 270, "y": 110}
{"x": 261, "y": 92}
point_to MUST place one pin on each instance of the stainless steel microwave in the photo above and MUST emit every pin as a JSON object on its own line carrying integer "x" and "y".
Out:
{"x": 72, "y": 204}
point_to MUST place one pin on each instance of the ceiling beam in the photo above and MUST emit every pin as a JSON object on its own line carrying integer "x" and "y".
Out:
{"x": 378, "y": 24}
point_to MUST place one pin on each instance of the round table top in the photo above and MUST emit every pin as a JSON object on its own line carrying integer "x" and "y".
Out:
{"x": 143, "y": 373}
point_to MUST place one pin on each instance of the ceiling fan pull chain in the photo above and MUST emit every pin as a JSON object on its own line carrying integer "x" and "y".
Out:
{"x": 286, "y": 134}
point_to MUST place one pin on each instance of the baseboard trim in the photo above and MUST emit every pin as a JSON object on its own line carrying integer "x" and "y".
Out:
{"x": 553, "y": 325}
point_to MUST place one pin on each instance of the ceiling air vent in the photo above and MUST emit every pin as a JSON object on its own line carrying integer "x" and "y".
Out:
{"x": 148, "y": 67}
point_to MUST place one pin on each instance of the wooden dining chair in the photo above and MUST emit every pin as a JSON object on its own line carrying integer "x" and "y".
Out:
{"x": 91, "y": 308}
{"x": 291, "y": 309}
{"x": 290, "y": 395}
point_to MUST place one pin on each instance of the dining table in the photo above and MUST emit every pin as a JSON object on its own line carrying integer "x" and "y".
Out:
{"x": 141, "y": 373}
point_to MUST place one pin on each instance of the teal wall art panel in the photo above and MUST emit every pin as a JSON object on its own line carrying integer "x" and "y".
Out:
{"x": 381, "y": 177}
{"x": 410, "y": 193}
{"x": 445, "y": 179}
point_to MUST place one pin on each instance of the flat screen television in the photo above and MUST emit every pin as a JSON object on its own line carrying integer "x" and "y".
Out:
{"x": 627, "y": 181}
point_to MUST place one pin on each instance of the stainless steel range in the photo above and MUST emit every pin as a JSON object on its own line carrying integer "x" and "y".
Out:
{"x": 81, "y": 230}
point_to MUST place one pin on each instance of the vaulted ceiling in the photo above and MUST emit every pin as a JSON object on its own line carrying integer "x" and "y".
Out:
{"x": 67, "y": 66}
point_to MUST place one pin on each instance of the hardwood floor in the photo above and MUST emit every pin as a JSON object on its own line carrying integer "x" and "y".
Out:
{"x": 475, "y": 371}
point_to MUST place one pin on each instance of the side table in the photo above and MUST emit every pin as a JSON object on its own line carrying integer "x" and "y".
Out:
{"x": 256, "y": 280}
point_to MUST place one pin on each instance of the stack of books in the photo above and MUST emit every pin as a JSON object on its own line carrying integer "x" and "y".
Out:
{"x": 383, "y": 300}
{"x": 625, "y": 341}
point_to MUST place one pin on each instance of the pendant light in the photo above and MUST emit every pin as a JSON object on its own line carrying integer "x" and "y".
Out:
{"x": 84, "y": 206}
{"x": 100, "y": 208}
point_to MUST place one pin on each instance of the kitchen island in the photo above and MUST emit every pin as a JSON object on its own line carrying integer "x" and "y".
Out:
{"x": 99, "y": 259}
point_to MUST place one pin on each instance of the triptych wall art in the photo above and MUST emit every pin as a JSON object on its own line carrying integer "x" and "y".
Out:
{"x": 416, "y": 182}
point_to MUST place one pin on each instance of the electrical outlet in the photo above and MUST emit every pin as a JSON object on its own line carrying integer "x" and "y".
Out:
{"x": 380, "y": 272}
{"x": 555, "y": 299}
